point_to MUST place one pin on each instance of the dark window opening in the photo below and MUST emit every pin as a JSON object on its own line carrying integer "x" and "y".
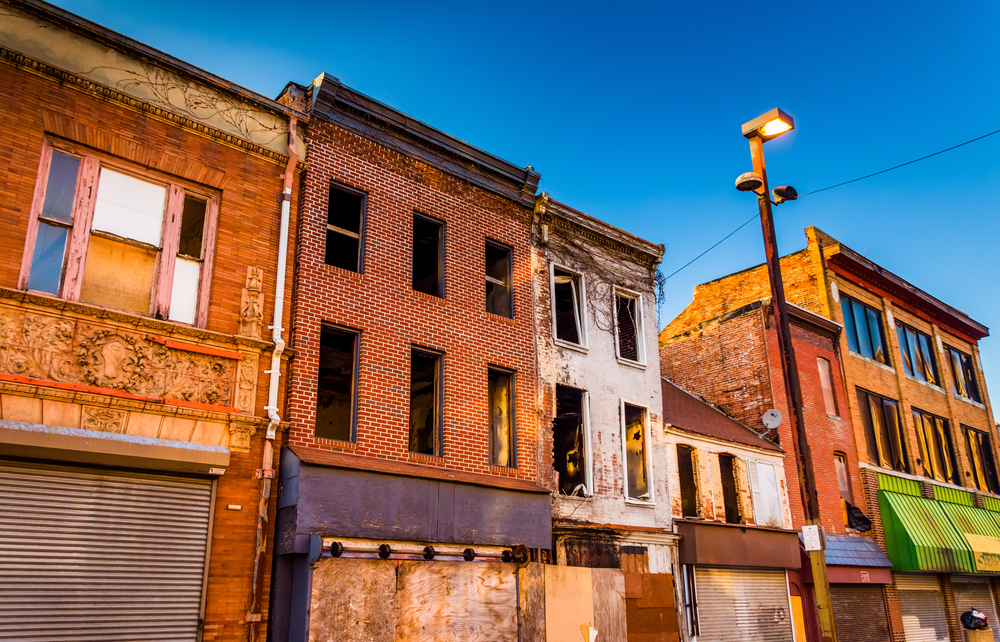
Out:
{"x": 335, "y": 398}
{"x": 498, "y": 277}
{"x": 963, "y": 375}
{"x": 937, "y": 453}
{"x": 917, "y": 355}
{"x": 344, "y": 228}
{"x": 628, "y": 327}
{"x": 425, "y": 404}
{"x": 883, "y": 431}
{"x": 428, "y": 255}
{"x": 730, "y": 497}
{"x": 568, "y": 306}
{"x": 502, "y": 438}
{"x": 980, "y": 452}
{"x": 863, "y": 327}
{"x": 569, "y": 442}
{"x": 689, "y": 488}
{"x": 192, "y": 227}
{"x": 635, "y": 453}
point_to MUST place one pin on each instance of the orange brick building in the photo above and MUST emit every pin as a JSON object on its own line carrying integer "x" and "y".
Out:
{"x": 141, "y": 211}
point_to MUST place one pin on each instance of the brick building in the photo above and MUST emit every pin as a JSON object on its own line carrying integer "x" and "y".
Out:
{"x": 142, "y": 215}
{"x": 910, "y": 390}
{"x": 412, "y": 464}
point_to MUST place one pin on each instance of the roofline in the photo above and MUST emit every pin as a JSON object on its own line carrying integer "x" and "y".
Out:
{"x": 597, "y": 226}
{"x": 726, "y": 442}
{"x": 115, "y": 40}
{"x": 716, "y": 409}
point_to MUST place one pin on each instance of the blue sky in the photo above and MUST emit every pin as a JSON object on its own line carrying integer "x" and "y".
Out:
{"x": 632, "y": 114}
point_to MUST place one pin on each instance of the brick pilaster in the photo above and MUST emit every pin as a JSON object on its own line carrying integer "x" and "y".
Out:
{"x": 950, "y": 614}
{"x": 894, "y": 613}
{"x": 927, "y": 490}
{"x": 869, "y": 485}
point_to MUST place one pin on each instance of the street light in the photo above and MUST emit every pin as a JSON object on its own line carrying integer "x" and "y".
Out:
{"x": 759, "y": 130}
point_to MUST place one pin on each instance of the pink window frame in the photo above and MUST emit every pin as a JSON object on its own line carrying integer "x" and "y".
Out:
{"x": 78, "y": 239}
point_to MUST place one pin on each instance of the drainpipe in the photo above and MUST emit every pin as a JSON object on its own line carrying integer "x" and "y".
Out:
{"x": 266, "y": 473}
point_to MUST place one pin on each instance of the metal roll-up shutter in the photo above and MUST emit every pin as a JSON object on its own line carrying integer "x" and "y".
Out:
{"x": 922, "y": 606}
{"x": 859, "y": 612}
{"x": 742, "y": 605}
{"x": 975, "y": 592}
{"x": 93, "y": 556}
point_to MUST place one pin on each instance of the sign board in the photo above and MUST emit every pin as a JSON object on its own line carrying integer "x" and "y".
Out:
{"x": 812, "y": 537}
{"x": 985, "y": 552}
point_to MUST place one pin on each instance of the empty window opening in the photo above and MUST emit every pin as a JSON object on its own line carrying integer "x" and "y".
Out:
{"x": 567, "y": 303}
{"x": 629, "y": 327}
{"x": 345, "y": 216}
{"x": 883, "y": 431}
{"x": 863, "y": 327}
{"x": 917, "y": 355}
{"x": 498, "y": 277}
{"x": 428, "y": 255}
{"x": 425, "y": 407}
{"x": 766, "y": 497}
{"x": 689, "y": 484}
{"x": 335, "y": 399}
{"x": 937, "y": 453}
{"x": 980, "y": 452}
{"x": 826, "y": 383}
{"x": 963, "y": 376}
{"x": 569, "y": 443}
{"x": 730, "y": 496}
{"x": 502, "y": 438}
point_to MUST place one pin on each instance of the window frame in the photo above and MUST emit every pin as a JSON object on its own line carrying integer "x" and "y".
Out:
{"x": 588, "y": 451}
{"x": 355, "y": 382}
{"x": 851, "y": 330}
{"x": 945, "y": 451}
{"x": 438, "y": 431}
{"x": 512, "y": 411}
{"x": 640, "y": 330}
{"x": 991, "y": 481}
{"x": 694, "y": 480}
{"x": 735, "y": 475}
{"x": 442, "y": 240}
{"x": 869, "y": 425}
{"x": 647, "y": 447}
{"x": 79, "y": 229}
{"x": 955, "y": 374}
{"x": 510, "y": 275}
{"x": 580, "y": 295}
{"x": 343, "y": 187}
{"x": 829, "y": 401}
{"x": 902, "y": 336}
{"x": 753, "y": 470}
{"x": 841, "y": 458}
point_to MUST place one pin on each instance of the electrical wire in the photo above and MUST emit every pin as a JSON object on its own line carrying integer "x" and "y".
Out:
{"x": 817, "y": 191}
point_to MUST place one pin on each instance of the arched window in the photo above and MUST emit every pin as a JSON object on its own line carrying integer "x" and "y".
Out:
{"x": 689, "y": 487}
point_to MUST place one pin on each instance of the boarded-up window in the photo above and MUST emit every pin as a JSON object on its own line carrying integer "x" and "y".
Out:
{"x": 628, "y": 324}
{"x": 980, "y": 452}
{"x": 502, "y": 437}
{"x": 688, "y": 481}
{"x": 345, "y": 218}
{"x": 937, "y": 453}
{"x": 567, "y": 306}
{"x": 425, "y": 402}
{"x": 826, "y": 384}
{"x": 337, "y": 392}
{"x": 766, "y": 495}
{"x": 569, "y": 443}
{"x": 498, "y": 277}
{"x": 428, "y": 255}
{"x": 883, "y": 431}
{"x": 730, "y": 496}
{"x": 636, "y": 474}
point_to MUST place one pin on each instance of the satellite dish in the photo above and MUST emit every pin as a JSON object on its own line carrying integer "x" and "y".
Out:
{"x": 771, "y": 419}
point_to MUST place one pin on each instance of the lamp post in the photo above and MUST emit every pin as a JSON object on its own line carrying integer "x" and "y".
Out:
{"x": 758, "y": 131}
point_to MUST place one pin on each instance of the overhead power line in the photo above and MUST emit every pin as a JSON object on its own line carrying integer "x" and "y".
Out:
{"x": 817, "y": 191}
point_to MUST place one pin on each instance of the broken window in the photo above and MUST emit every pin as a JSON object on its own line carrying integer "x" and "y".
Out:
{"x": 498, "y": 278}
{"x": 628, "y": 326}
{"x": 826, "y": 384}
{"x": 345, "y": 221}
{"x": 730, "y": 496}
{"x": 337, "y": 391}
{"x": 428, "y": 255}
{"x": 963, "y": 375}
{"x": 766, "y": 497}
{"x": 883, "y": 431}
{"x": 126, "y": 230}
{"x": 980, "y": 452}
{"x": 502, "y": 437}
{"x": 425, "y": 402}
{"x": 636, "y": 475}
{"x": 567, "y": 306}
{"x": 917, "y": 355}
{"x": 843, "y": 477}
{"x": 688, "y": 481}
{"x": 569, "y": 441}
{"x": 863, "y": 327}
{"x": 936, "y": 451}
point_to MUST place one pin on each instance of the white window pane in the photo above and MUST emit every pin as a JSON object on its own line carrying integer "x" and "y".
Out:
{"x": 129, "y": 207}
{"x": 770, "y": 512}
{"x": 184, "y": 296}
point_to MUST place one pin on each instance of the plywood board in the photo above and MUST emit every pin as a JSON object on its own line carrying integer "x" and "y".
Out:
{"x": 569, "y": 602}
{"x": 456, "y": 601}
{"x": 657, "y": 591}
{"x": 532, "y": 598}
{"x": 353, "y": 601}
{"x": 609, "y": 604}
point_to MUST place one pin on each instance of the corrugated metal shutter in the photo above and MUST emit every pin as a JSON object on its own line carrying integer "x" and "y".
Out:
{"x": 745, "y": 605}
{"x": 975, "y": 593}
{"x": 922, "y": 606}
{"x": 859, "y": 612}
{"x": 95, "y": 556}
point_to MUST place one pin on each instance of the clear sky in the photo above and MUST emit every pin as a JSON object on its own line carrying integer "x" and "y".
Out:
{"x": 632, "y": 112}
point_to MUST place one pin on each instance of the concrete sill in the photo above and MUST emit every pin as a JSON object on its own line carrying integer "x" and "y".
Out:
{"x": 639, "y": 503}
{"x": 576, "y": 347}
{"x": 969, "y": 401}
{"x": 631, "y": 364}
{"x": 924, "y": 383}
{"x": 873, "y": 362}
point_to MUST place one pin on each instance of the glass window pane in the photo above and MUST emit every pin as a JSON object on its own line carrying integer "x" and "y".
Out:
{"x": 424, "y": 402}
{"x": 192, "y": 227}
{"x": 894, "y": 430}
{"x": 849, "y": 329}
{"x": 568, "y": 441}
{"x": 184, "y": 294}
{"x": 903, "y": 350}
{"x": 129, "y": 207}
{"x": 861, "y": 325}
{"x": 927, "y": 358}
{"x": 118, "y": 275}
{"x": 61, "y": 187}
{"x": 335, "y": 393}
{"x": 875, "y": 331}
{"x": 47, "y": 259}
{"x": 635, "y": 451}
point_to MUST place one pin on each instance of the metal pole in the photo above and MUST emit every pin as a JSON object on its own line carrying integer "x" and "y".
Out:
{"x": 807, "y": 480}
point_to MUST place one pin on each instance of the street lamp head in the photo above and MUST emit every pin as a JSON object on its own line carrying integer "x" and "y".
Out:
{"x": 749, "y": 182}
{"x": 770, "y": 125}
{"x": 784, "y": 193}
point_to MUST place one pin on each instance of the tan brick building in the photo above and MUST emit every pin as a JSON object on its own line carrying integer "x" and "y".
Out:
{"x": 141, "y": 217}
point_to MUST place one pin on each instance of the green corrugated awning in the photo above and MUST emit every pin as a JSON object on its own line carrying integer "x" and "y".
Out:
{"x": 967, "y": 519}
{"x": 919, "y": 536}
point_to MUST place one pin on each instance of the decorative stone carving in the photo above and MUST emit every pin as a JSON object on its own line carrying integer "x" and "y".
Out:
{"x": 247, "y": 384}
{"x": 103, "y": 419}
{"x": 240, "y": 433}
{"x": 251, "y": 305}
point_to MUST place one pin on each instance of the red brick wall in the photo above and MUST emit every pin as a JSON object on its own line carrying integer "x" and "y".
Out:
{"x": 392, "y": 317}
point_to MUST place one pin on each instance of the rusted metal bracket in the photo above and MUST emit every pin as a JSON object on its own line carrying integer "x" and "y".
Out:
{"x": 264, "y": 474}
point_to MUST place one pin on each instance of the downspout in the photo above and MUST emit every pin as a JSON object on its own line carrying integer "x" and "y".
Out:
{"x": 266, "y": 472}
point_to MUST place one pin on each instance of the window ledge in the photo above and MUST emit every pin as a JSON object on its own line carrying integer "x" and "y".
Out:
{"x": 576, "y": 347}
{"x": 631, "y": 364}
{"x": 577, "y": 498}
{"x": 923, "y": 383}
{"x": 337, "y": 444}
{"x": 503, "y": 470}
{"x": 351, "y": 274}
{"x": 499, "y": 317}
{"x": 639, "y": 503}
{"x": 968, "y": 401}
{"x": 430, "y": 298}
{"x": 427, "y": 459}
{"x": 873, "y": 362}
